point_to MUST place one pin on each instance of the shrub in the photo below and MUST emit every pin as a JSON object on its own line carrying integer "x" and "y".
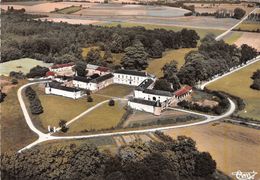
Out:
{"x": 14, "y": 81}
{"x": 111, "y": 102}
{"x": 89, "y": 99}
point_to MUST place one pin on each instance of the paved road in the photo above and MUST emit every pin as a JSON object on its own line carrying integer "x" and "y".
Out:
{"x": 230, "y": 29}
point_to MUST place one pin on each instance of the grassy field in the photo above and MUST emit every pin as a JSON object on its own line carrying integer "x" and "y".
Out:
{"x": 68, "y": 10}
{"x": 201, "y": 32}
{"x": 24, "y": 65}
{"x": 15, "y": 134}
{"x": 156, "y": 65}
{"x": 238, "y": 84}
{"x": 116, "y": 90}
{"x": 58, "y": 107}
{"x": 248, "y": 26}
{"x": 233, "y": 37}
{"x": 233, "y": 147}
{"x": 103, "y": 117}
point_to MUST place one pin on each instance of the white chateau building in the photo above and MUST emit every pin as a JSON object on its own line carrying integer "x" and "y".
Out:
{"x": 57, "y": 89}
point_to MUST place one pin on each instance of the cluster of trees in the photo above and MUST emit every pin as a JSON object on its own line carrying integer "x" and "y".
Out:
{"x": 256, "y": 80}
{"x": 213, "y": 58}
{"x": 62, "y": 42}
{"x": 223, "y": 104}
{"x": 254, "y": 17}
{"x": 167, "y": 159}
{"x": 169, "y": 81}
{"x": 16, "y": 75}
{"x": 35, "y": 103}
{"x": 37, "y": 71}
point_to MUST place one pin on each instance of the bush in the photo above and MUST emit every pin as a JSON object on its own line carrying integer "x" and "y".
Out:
{"x": 239, "y": 13}
{"x": 14, "y": 81}
{"x": 63, "y": 126}
{"x": 111, "y": 102}
{"x": 37, "y": 71}
{"x": 89, "y": 99}
{"x": 2, "y": 96}
{"x": 35, "y": 106}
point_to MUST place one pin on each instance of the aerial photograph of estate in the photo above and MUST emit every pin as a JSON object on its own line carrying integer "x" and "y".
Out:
{"x": 130, "y": 90}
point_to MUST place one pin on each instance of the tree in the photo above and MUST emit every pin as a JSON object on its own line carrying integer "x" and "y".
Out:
{"x": 205, "y": 165}
{"x": 80, "y": 68}
{"x": 256, "y": 74}
{"x": 63, "y": 126}
{"x": 256, "y": 84}
{"x": 162, "y": 84}
{"x": 157, "y": 49}
{"x": 89, "y": 99}
{"x": 35, "y": 106}
{"x": 116, "y": 45}
{"x": 93, "y": 56}
{"x": 108, "y": 57}
{"x": 111, "y": 102}
{"x": 170, "y": 69}
{"x": 239, "y": 13}
{"x": 135, "y": 57}
{"x": 37, "y": 71}
{"x": 14, "y": 81}
{"x": 247, "y": 53}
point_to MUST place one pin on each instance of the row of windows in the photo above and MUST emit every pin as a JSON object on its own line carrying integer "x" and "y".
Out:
{"x": 127, "y": 76}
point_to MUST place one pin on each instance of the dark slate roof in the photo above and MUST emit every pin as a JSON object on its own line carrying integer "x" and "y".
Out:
{"x": 131, "y": 72}
{"x": 102, "y": 78}
{"x": 143, "y": 101}
{"x": 82, "y": 79}
{"x": 144, "y": 85}
{"x": 158, "y": 92}
{"x": 56, "y": 85}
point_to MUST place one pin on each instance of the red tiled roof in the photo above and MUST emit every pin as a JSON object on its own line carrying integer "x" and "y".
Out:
{"x": 183, "y": 90}
{"x": 56, "y": 66}
{"x": 49, "y": 73}
{"x": 102, "y": 69}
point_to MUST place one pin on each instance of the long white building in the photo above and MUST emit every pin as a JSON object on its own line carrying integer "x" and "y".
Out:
{"x": 57, "y": 89}
{"x": 130, "y": 77}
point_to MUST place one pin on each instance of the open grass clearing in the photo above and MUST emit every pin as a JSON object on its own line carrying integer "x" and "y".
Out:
{"x": 233, "y": 147}
{"x": 232, "y": 37}
{"x": 58, "y": 108}
{"x": 249, "y": 38}
{"x": 15, "y": 134}
{"x": 116, "y": 90}
{"x": 155, "y": 65}
{"x": 103, "y": 117}
{"x": 24, "y": 65}
{"x": 249, "y": 26}
{"x": 238, "y": 84}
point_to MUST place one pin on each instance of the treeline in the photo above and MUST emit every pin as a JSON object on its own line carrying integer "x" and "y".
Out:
{"x": 256, "y": 80}
{"x": 167, "y": 159}
{"x": 238, "y": 13}
{"x": 213, "y": 58}
{"x": 223, "y": 104}
{"x": 62, "y": 42}
{"x": 35, "y": 103}
{"x": 254, "y": 17}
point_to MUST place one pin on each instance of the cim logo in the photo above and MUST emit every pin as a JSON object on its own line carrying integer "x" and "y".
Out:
{"x": 244, "y": 175}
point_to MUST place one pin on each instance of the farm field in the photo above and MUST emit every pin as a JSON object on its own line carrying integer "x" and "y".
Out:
{"x": 252, "y": 39}
{"x": 116, "y": 90}
{"x": 68, "y": 10}
{"x": 103, "y": 117}
{"x": 58, "y": 108}
{"x": 70, "y": 21}
{"x": 238, "y": 84}
{"x": 155, "y": 65}
{"x": 249, "y": 26}
{"x": 232, "y": 37}
{"x": 24, "y": 65}
{"x": 233, "y": 147}
{"x": 15, "y": 134}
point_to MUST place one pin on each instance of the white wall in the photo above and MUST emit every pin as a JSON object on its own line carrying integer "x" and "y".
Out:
{"x": 142, "y": 95}
{"x": 73, "y": 95}
{"x": 141, "y": 107}
{"x": 80, "y": 84}
{"x": 128, "y": 79}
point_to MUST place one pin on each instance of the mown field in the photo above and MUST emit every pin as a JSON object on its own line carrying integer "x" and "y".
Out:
{"x": 233, "y": 147}
{"x": 249, "y": 26}
{"x": 238, "y": 84}
{"x": 15, "y": 134}
{"x": 116, "y": 90}
{"x": 232, "y": 37}
{"x": 103, "y": 117}
{"x": 24, "y": 65}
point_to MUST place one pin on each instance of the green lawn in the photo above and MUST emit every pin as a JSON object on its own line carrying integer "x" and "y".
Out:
{"x": 15, "y": 133}
{"x": 68, "y": 10}
{"x": 233, "y": 37}
{"x": 58, "y": 107}
{"x": 238, "y": 84}
{"x": 103, "y": 117}
{"x": 116, "y": 90}
{"x": 24, "y": 65}
{"x": 201, "y": 32}
{"x": 156, "y": 65}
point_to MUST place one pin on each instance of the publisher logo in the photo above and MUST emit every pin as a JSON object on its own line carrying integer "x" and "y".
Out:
{"x": 244, "y": 175}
